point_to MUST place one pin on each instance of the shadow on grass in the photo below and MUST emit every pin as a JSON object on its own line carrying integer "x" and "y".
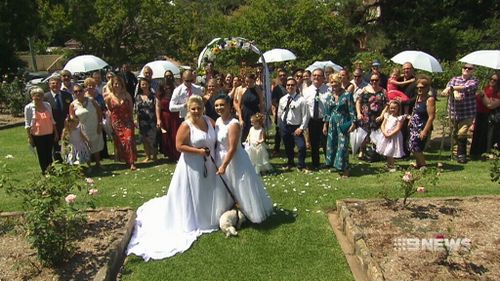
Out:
{"x": 109, "y": 169}
{"x": 278, "y": 218}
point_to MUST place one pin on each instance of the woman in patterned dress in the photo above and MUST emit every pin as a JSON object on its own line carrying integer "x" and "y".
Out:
{"x": 339, "y": 122}
{"x": 146, "y": 118}
{"x": 370, "y": 108}
{"x": 421, "y": 120}
{"x": 120, "y": 106}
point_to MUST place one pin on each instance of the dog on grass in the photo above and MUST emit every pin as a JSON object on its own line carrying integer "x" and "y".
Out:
{"x": 230, "y": 221}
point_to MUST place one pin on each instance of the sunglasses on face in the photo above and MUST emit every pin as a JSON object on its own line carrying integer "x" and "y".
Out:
{"x": 374, "y": 80}
{"x": 290, "y": 85}
{"x": 493, "y": 79}
{"x": 468, "y": 68}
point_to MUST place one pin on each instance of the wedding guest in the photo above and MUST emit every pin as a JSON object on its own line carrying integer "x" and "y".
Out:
{"x": 59, "y": 102}
{"x": 293, "y": 119}
{"x": 120, "y": 106}
{"x": 40, "y": 127}
{"x": 90, "y": 116}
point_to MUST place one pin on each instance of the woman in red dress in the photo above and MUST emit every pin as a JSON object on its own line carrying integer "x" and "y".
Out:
{"x": 168, "y": 122}
{"x": 120, "y": 105}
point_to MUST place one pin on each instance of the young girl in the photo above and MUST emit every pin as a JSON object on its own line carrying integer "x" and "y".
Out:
{"x": 392, "y": 86}
{"x": 389, "y": 139}
{"x": 256, "y": 145}
{"x": 76, "y": 149}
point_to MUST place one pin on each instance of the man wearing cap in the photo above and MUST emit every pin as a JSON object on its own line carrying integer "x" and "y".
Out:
{"x": 461, "y": 91}
{"x": 376, "y": 70}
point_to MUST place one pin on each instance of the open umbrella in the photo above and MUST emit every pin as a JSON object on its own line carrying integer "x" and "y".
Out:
{"x": 487, "y": 58}
{"x": 277, "y": 55}
{"x": 419, "y": 60}
{"x": 323, "y": 64}
{"x": 159, "y": 67}
{"x": 85, "y": 63}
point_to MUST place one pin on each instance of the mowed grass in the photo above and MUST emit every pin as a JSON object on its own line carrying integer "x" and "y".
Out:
{"x": 296, "y": 243}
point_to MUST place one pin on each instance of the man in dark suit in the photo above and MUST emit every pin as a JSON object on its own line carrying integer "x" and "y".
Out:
{"x": 59, "y": 101}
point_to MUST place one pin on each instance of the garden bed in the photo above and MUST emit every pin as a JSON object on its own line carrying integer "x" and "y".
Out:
{"x": 7, "y": 120}
{"x": 98, "y": 256}
{"x": 404, "y": 244}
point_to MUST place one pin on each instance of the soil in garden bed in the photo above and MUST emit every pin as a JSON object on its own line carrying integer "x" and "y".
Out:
{"x": 389, "y": 235}
{"x": 7, "y": 119}
{"x": 19, "y": 262}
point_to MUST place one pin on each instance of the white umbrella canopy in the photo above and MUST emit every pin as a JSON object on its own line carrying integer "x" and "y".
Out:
{"x": 487, "y": 58}
{"x": 419, "y": 60}
{"x": 278, "y": 55}
{"x": 85, "y": 63}
{"x": 323, "y": 64}
{"x": 159, "y": 67}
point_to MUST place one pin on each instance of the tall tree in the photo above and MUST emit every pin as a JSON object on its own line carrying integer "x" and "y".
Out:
{"x": 18, "y": 21}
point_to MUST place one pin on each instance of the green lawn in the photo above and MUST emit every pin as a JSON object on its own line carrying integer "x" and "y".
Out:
{"x": 296, "y": 243}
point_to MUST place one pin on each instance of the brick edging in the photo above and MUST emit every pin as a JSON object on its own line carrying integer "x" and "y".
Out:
{"x": 12, "y": 125}
{"x": 355, "y": 236}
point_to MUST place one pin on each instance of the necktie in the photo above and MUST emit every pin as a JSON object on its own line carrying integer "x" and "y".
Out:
{"x": 287, "y": 108}
{"x": 316, "y": 105}
{"x": 58, "y": 102}
{"x": 189, "y": 92}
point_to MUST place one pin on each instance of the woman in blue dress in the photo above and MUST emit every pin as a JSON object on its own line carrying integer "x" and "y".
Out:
{"x": 339, "y": 122}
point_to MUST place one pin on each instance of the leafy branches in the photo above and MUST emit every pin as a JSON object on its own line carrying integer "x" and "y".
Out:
{"x": 55, "y": 207}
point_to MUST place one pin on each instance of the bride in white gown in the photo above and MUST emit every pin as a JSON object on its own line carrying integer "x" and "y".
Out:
{"x": 170, "y": 224}
{"x": 235, "y": 166}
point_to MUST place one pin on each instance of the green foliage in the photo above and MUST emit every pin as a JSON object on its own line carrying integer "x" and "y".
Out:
{"x": 55, "y": 215}
{"x": 495, "y": 166}
{"x": 13, "y": 98}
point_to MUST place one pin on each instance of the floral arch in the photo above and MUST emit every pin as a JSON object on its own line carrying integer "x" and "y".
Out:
{"x": 217, "y": 45}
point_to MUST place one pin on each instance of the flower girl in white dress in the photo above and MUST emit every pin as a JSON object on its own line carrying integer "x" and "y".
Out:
{"x": 256, "y": 145}
{"x": 389, "y": 139}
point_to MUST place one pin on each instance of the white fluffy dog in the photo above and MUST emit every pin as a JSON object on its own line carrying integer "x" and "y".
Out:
{"x": 230, "y": 221}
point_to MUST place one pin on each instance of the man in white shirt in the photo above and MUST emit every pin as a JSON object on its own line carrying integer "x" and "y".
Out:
{"x": 183, "y": 92}
{"x": 293, "y": 118}
{"x": 315, "y": 96}
{"x": 358, "y": 82}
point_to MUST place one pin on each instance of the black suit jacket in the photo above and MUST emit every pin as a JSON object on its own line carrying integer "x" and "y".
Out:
{"x": 59, "y": 114}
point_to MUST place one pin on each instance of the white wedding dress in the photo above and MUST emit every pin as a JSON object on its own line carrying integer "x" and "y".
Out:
{"x": 170, "y": 224}
{"x": 241, "y": 177}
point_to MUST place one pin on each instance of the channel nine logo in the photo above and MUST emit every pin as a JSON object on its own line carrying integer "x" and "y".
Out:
{"x": 432, "y": 244}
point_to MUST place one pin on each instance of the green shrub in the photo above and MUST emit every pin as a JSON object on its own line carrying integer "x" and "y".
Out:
{"x": 55, "y": 207}
{"x": 13, "y": 98}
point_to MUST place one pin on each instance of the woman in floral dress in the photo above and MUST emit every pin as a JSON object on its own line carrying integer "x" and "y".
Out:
{"x": 146, "y": 118}
{"x": 370, "y": 108}
{"x": 120, "y": 106}
{"x": 339, "y": 122}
